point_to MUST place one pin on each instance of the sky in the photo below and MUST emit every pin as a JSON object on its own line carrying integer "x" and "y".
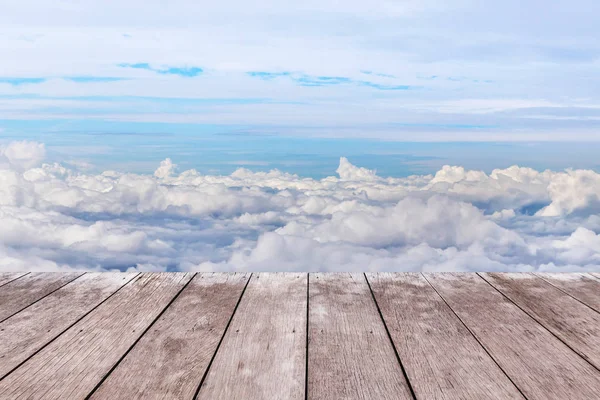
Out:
{"x": 300, "y": 136}
{"x": 426, "y": 70}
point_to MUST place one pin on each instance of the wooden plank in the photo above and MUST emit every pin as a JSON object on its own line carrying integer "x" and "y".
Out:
{"x": 6, "y": 277}
{"x": 584, "y": 287}
{"x": 350, "y": 355}
{"x": 22, "y": 292}
{"x": 26, "y": 332}
{"x": 72, "y": 365}
{"x": 536, "y": 361}
{"x": 170, "y": 360}
{"x": 263, "y": 354}
{"x": 441, "y": 357}
{"x": 570, "y": 320}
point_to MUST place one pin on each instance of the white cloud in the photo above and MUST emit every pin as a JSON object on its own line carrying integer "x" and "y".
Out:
{"x": 22, "y": 155}
{"x": 166, "y": 169}
{"x": 349, "y": 172}
{"x": 516, "y": 219}
{"x": 574, "y": 192}
{"x": 581, "y": 247}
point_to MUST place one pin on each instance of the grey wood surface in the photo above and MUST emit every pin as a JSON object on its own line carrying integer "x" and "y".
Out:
{"x": 29, "y": 330}
{"x": 583, "y": 287}
{"x": 441, "y": 357}
{"x": 350, "y": 355}
{"x": 22, "y": 292}
{"x": 6, "y": 277}
{"x": 570, "y": 320}
{"x": 171, "y": 358}
{"x": 262, "y": 355}
{"x": 161, "y": 335}
{"x": 72, "y": 365}
{"x": 536, "y": 361}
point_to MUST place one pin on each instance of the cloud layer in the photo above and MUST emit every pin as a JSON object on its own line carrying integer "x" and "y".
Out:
{"x": 515, "y": 219}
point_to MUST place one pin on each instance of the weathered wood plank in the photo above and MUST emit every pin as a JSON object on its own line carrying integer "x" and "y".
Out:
{"x": 24, "y": 291}
{"x": 584, "y": 287}
{"x": 441, "y": 357}
{"x": 73, "y": 364}
{"x": 537, "y": 362}
{"x": 570, "y": 320}
{"x": 350, "y": 355}
{"x": 6, "y": 277}
{"x": 29, "y": 330}
{"x": 170, "y": 359}
{"x": 262, "y": 355}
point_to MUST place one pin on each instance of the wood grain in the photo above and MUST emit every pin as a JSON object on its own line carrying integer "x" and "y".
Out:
{"x": 584, "y": 287}
{"x": 73, "y": 364}
{"x": 26, "y": 332}
{"x": 20, "y": 293}
{"x": 441, "y": 357}
{"x": 570, "y": 320}
{"x": 536, "y": 361}
{"x": 6, "y": 277}
{"x": 263, "y": 352}
{"x": 170, "y": 359}
{"x": 350, "y": 354}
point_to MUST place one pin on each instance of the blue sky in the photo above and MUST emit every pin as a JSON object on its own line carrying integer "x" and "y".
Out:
{"x": 221, "y": 149}
{"x": 403, "y": 71}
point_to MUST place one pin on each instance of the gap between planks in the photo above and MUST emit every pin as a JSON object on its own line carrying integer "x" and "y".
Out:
{"x": 408, "y": 382}
{"x": 584, "y": 344}
{"x": 28, "y": 289}
{"x": 442, "y": 357}
{"x": 8, "y": 277}
{"x": 111, "y": 327}
{"x": 139, "y": 338}
{"x": 29, "y": 331}
{"x": 542, "y": 366}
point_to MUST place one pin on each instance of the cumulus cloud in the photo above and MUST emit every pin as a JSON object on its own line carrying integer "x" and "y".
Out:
{"x": 166, "y": 169}
{"x": 515, "y": 219}
{"x": 349, "y": 172}
{"x": 573, "y": 192}
{"x": 22, "y": 155}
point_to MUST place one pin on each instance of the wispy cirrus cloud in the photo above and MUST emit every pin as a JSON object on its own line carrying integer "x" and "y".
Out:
{"x": 21, "y": 81}
{"x": 321, "y": 81}
{"x": 372, "y": 73}
{"x": 187, "y": 72}
{"x": 306, "y": 80}
{"x": 267, "y": 76}
{"x": 94, "y": 79}
{"x": 381, "y": 86}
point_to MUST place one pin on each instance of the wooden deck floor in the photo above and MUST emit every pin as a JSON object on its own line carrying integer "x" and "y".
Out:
{"x": 298, "y": 336}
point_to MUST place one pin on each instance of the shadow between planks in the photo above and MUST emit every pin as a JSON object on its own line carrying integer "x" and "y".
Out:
{"x": 299, "y": 336}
